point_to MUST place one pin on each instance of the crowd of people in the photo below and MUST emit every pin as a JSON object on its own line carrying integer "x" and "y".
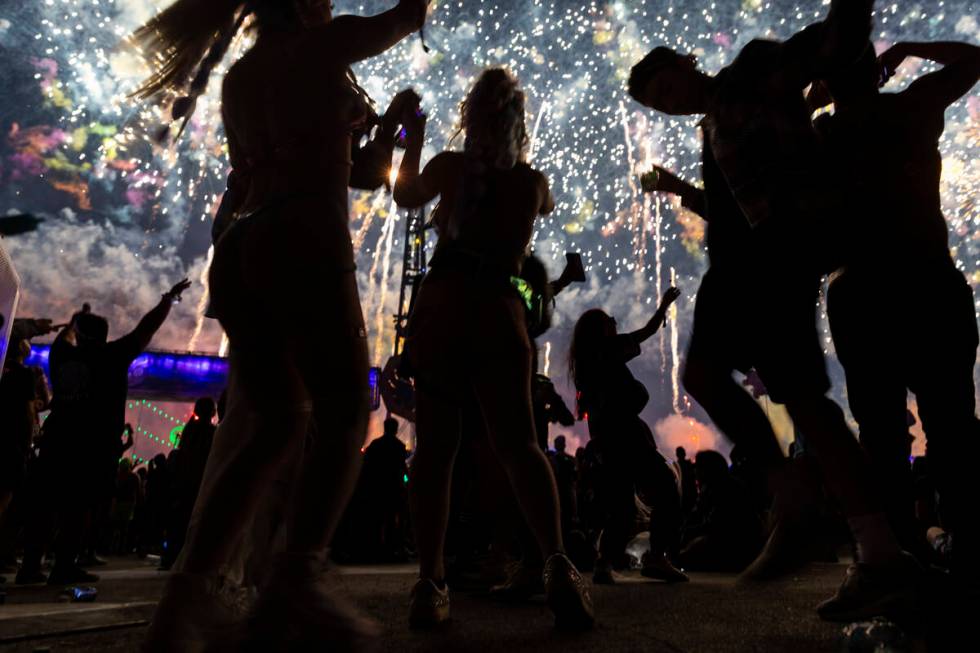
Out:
{"x": 788, "y": 200}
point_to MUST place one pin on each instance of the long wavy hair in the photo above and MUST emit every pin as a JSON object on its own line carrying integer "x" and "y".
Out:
{"x": 585, "y": 352}
{"x": 187, "y": 40}
{"x": 495, "y": 136}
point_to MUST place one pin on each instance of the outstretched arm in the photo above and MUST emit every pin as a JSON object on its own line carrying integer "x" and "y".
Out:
{"x": 664, "y": 181}
{"x": 937, "y": 90}
{"x": 361, "y": 37}
{"x": 658, "y": 318}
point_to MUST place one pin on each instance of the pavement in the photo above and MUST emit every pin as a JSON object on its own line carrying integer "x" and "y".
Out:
{"x": 706, "y": 615}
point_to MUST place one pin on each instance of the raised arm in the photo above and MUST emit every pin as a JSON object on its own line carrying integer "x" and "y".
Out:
{"x": 372, "y": 162}
{"x": 820, "y": 49}
{"x": 360, "y": 37}
{"x": 134, "y": 342}
{"x": 937, "y": 90}
{"x": 414, "y": 190}
{"x": 658, "y": 318}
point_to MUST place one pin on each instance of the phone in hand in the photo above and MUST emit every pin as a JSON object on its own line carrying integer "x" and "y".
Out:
{"x": 574, "y": 270}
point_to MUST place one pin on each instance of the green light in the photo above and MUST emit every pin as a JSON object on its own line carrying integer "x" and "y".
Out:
{"x": 406, "y": 478}
{"x": 175, "y": 434}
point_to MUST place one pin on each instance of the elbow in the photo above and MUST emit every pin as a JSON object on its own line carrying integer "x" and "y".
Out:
{"x": 405, "y": 198}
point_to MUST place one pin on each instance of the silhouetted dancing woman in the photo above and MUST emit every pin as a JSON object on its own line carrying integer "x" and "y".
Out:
{"x": 611, "y": 400}
{"x": 283, "y": 288}
{"x": 468, "y": 342}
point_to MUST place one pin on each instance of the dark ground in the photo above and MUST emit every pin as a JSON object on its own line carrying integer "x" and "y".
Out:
{"x": 705, "y": 615}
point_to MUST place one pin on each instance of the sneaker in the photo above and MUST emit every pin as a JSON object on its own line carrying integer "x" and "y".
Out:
{"x": 659, "y": 567}
{"x": 567, "y": 594}
{"x": 523, "y": 582}
{"x": 28, "y": 576}
{"x": 429, "y": 605}
{"x": 195, "y": 613}
{"x": 874, "y": 591}
{"x": 602, "y": 573}
{"x": 301, "y": 610}
{"x": 69, "y": 575}
{"x": 786, "y": 550}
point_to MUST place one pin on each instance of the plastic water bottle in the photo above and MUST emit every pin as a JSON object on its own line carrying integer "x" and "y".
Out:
{"x": 876, "y": 636}
{"x": 82, "y": 594}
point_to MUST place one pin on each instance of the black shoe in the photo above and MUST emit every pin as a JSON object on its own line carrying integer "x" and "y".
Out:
{"x": 90, "y": 560}
{"x": 70, "y": 575}
{"x": 659, "y": 567}
{"x": 28, "y": 576}
{"x": 602, "y": 573}
{"x": 874, "y": 591}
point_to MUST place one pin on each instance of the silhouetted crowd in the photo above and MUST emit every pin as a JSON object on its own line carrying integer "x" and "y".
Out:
{"x": 793, "y": 197}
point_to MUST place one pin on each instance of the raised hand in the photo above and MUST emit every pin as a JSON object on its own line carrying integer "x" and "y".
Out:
{"x": 890, "y": 60}
{"x": 669, "y": 297}
{"x": 178, "y": 289}
{"x": 400, "y": 104}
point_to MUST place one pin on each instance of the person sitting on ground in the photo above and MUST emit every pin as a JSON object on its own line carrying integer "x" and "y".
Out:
{"x": 724, "y": 533}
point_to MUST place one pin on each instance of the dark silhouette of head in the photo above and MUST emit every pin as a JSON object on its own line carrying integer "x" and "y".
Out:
{"x": 91, "y": 329}
{"x": 585, "y": 350}
{"x": 681, "y": 453}
{"x": 290, "y": 15}
{"x": 858, "y": 81}
{"x": 668, "y": 81}
{"x": 391, "y": 427}
{"x": 560, "y": 444}
{"x": 492, "y": 119}
{"x": 20, "y": 351}
{"x": 710, "y": 467}
{"x": 205, "y": 409}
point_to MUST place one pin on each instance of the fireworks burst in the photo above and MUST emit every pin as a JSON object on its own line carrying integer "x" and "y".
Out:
{"x": 74, "y": 139}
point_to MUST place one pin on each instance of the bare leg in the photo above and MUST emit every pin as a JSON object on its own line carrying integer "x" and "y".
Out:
{"x": 504, "y": 393}
{"x": 438, "y": 424}
{"x": 261, "y": 430}
{"x": 845, "y": 467}
{"x": 340, "y": 410}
